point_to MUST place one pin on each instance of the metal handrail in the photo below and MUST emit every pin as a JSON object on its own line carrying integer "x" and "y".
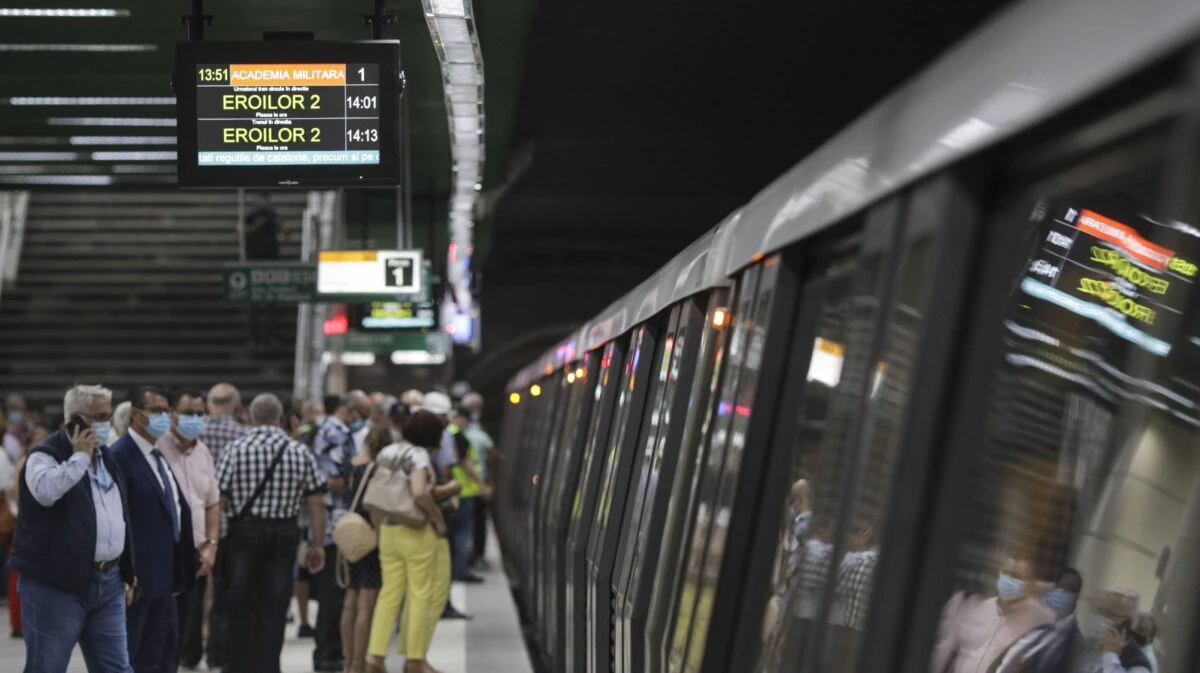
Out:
{"x": 320, "y": 219}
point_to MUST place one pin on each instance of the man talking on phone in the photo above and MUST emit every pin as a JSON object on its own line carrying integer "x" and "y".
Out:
{"x": 72, "y": 546}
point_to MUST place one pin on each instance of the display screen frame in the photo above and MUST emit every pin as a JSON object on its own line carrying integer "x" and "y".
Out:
{"x": 383, "y": 53}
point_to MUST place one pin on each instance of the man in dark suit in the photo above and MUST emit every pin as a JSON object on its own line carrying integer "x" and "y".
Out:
{"x": 161, "y": 524}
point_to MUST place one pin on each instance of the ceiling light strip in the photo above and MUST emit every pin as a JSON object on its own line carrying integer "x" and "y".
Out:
{"x": 456, "y": 38}
{"x": 111, "y": 121}
{"x": 113, "y": 48}
{"x": 120, "y": 140}
{"x": 19, "y": 12}
{"x": 89, "y": 100}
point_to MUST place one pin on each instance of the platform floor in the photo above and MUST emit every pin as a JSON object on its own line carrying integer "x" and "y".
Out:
{"x": 490, "y": 643}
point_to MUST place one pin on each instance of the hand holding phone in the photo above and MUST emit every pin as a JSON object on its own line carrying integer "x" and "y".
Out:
{"x": 82, "y": 439}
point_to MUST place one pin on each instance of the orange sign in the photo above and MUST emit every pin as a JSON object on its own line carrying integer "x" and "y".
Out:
{"x": 1125, "y": 238}
{"x": 349, "y": 256}
{"x": 288, "y": 74}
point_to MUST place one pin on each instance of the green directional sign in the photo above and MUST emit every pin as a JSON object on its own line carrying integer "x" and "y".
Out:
{"x": 374, "y": 342}
{"x": 269, "y": 282}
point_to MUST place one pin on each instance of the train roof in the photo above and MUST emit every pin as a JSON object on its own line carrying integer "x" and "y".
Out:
{"x": 1027, "y": 64}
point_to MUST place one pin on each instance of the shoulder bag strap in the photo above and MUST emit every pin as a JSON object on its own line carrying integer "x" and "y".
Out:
{"x": 362, "y": 486}
{"x": 262, "y": 485}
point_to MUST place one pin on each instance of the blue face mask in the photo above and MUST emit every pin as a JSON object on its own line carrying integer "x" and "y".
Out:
{"x": 358, "y": 425}
{"x": 191, "y": 426}
{"x": 15, "y": 417}
{"x": 103, "y": 432}
{"x": 1009, "y": 587}
{"x": 1062, "y": 602}
{"x": 158, "y": 425}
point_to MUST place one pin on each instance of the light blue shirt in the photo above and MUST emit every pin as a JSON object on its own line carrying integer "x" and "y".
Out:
{"x": 48, "y": 480}
{"x": 482, "y": 442}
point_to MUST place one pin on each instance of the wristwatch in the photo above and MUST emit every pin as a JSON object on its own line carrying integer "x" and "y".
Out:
{"x": 210, "y": 542}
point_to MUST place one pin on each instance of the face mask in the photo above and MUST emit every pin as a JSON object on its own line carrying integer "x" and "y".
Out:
{"x": 191, "y": 426}
{"x": 1060, "y": 601}
{"x": 358, "y": 425}
{"x": 1100, "y": 626}
{"x": 1009, "y": 587}
{"x": 158, "y": 425}
{"x": 16, "y": 416}
{"x": 103, "y": 432}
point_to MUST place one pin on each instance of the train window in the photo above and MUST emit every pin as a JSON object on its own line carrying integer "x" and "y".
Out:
{"x": 1082, "y": 508}
{"x": 672, "y": 550}
{"x": 737, "y": 404}
{"x": 578, "y": 531}
{"x": 706, "y": 476}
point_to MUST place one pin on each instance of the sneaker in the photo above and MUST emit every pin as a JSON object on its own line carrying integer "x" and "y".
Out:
{"x": 17, "y": 633}
{"x": 305, "y": 631}
{"x": 452, "y": 612}
{"x": 328, "y": 666}
{"x": 469, "y": 578}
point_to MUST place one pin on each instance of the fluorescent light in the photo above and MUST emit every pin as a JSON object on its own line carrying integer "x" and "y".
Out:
{"x": 90, "y": 100}
{"x": 463, "y": 93}
{"x": 466, "y": 125}
{"x": 120, "y": 48}
{"x": 472, "y": 153}
{"x": 464, "y": 109}
{"x": 111, "y": 121}
{"x": 93, "y": 180}
{"x": 350, "y": 358}
{"x": 31, "y": 140}
{"x": 39, "y": 156}
{"x": 459, "y": 53}
{"x": 48, "y": 169}
{"x": 63, "y": 13}
{"x": 448, "y": 7}
{"x": 122, "y": 140}
{"x": 142, "y": 168}
{"x": 467, "y": 139}
{"x": 452, "y": 30}
{"x": 463, "y": 73}
{"x": 134, "y": 156}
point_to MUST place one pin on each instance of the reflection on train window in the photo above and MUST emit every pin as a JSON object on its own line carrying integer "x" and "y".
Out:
{"x": 1090, "y": 450}
{"x": 725, "y": 460}
{"x": 706, "y": 476}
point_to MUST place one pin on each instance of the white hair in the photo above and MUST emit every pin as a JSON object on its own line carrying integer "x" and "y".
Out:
{"x": 78, "y": 400}
{"x": 120, "y": 419}
{"x": 266, "y": 409}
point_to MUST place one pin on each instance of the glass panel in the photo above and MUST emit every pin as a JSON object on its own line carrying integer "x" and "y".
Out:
{"x": 1089, "y": 452}
{"x": 758, "y": 325}
{"x": 707, "y": 474}
{"x": 673, "y": 553}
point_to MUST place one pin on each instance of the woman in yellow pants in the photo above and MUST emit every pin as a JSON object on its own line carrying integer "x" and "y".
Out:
{"x": 409, "y": 556}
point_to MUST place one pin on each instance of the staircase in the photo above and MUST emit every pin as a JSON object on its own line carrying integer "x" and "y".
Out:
{"x": 124, "y": 289}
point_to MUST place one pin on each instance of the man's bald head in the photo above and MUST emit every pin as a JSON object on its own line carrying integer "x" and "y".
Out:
{"x": 473, "y": 402}
{"x": 412, "y": 398}
{"x": 223, "y": 399}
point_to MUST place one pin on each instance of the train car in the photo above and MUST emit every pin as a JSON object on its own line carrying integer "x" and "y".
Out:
{"x": 930, "y": 402}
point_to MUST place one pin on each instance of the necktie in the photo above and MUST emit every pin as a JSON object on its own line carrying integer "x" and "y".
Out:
{"x": 167, "y": 491}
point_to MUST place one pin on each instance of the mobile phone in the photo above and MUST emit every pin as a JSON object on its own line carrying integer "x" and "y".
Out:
{"x": 77, "y": 424}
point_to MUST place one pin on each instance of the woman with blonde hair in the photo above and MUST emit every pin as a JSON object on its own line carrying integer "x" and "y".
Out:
{"x": 410, "y": 556}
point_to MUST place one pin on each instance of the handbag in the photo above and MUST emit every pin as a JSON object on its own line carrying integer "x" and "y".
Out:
{"x": 353, "y": 534}
{"x": 389, "y": 494}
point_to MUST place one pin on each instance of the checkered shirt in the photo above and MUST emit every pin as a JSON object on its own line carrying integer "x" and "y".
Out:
{"x": 245, "y": 462}
{"x": 219, "y": 431}
{"x": 852, "y": 595}
{"x": 334, "y": 447}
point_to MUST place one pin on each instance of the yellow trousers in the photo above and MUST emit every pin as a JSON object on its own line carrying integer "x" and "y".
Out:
{"x": 441, "y": 589}
{"x": 409, "y": 558}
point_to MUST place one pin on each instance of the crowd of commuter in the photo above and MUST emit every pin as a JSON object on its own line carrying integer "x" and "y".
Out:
{"x": 177, "y": 527}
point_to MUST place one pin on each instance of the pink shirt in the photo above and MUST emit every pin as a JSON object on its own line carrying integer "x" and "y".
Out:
{"x": 979, "y": 633}
{"x": 196, "y": 476}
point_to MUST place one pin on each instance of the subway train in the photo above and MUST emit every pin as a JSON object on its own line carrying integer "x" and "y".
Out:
{"x": 927, "y": 403}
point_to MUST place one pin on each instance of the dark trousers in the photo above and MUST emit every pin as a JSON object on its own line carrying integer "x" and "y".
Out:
{"x": 479, "y": 542}
{"x": 262, "y": 557}
{"x": 328, "y": 632}
{"x": 461, "y": 530}
{"x": 191, "y": 624}
{"x": 152, "y": 623}
{"x": 216, "y": 616}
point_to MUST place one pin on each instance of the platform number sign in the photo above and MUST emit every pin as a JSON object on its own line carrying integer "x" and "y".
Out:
{"x": 399, "y": 272}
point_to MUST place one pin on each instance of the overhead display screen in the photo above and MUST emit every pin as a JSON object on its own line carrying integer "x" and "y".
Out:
{"x": 398, "y": 315}
{"x": 349, "y": 274}
{"x": 288, "y": 114}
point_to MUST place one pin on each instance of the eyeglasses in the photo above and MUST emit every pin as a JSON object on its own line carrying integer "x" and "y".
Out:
{"x": 190, "y": 412}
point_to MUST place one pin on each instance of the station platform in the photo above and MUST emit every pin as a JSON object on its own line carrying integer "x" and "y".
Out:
{"x": 490, "y": 643}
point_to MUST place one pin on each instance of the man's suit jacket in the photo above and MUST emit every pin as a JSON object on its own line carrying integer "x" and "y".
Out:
{"x": 164, "y": 566}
